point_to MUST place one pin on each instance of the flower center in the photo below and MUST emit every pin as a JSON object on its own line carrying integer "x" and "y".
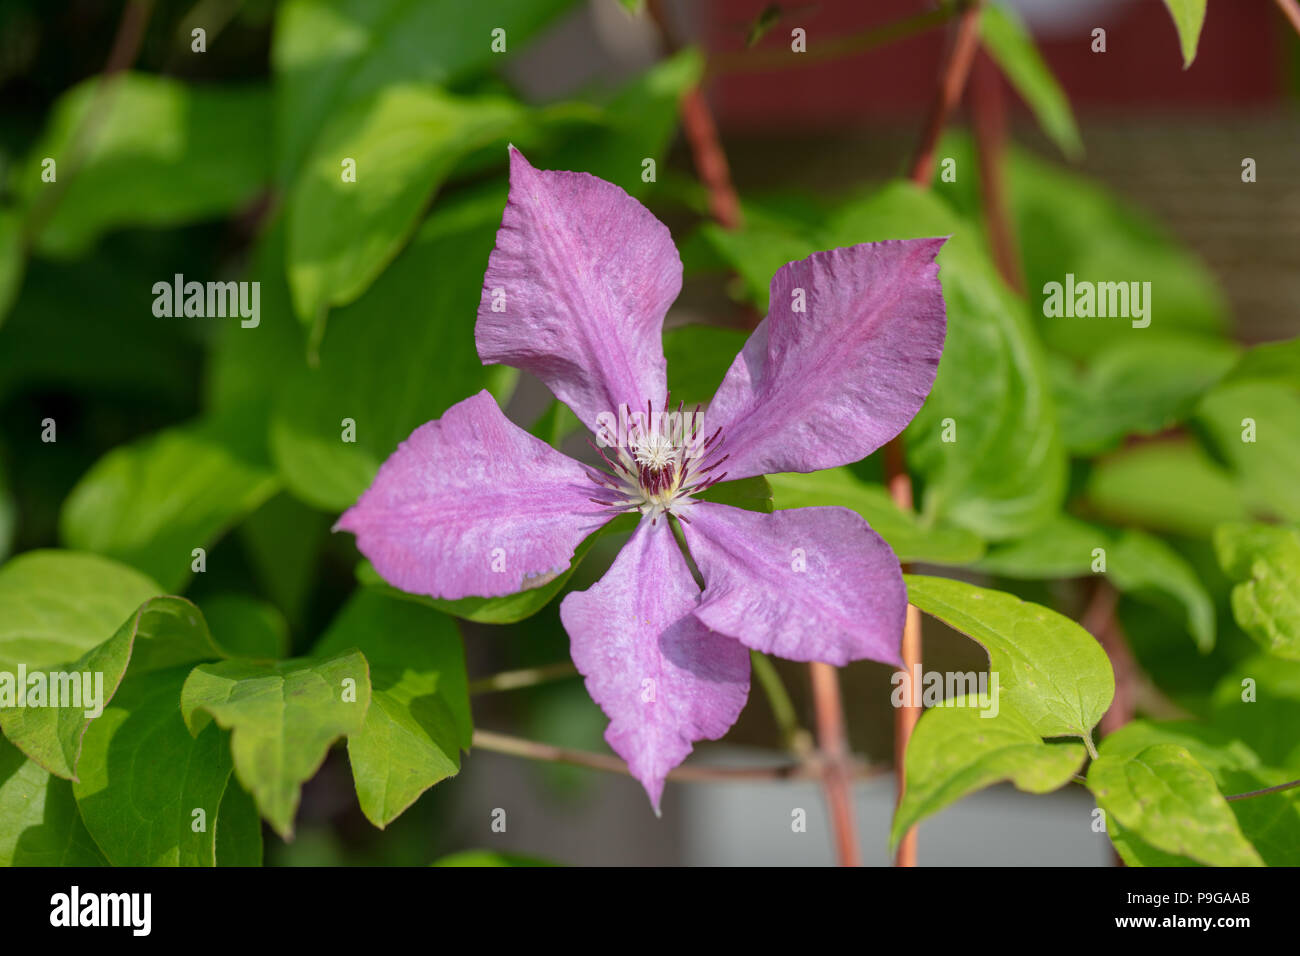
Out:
{"x": 660, "y": 464}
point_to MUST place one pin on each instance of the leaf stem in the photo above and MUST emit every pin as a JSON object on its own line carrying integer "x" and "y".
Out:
{"x": 688, "y": 773}
{"x": 796, "y": 738}
{"x": 833, "y": 48}
{"x": 1259, "y": 793}
{"x": 702, "y": 135}
{"x": 1087, "y": 742}
{"x": 524, "y": 677}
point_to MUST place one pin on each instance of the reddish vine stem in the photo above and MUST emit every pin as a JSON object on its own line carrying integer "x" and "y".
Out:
{"x": 836, "y": 779}
{"x": 1291, "y": 10}
{"x": 702, "y": 135}
{"x": 952, "y": 83}
{"x": 990, "y": 122}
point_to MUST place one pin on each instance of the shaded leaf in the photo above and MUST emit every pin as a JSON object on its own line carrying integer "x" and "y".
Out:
{"x": 1135, "y": 562}
{"x": 326, "y": 54}
{"x": 1165, "y": 486}
{"x": 151, "y": 151}
{"x": 151, "y": 503}
{"x": 404, "y": 141}
{"x": 1255, "y": 427}
{"x": 1136, "y": 388}
{"x": 39, "y": 822}
{"x": 143, "y": 777}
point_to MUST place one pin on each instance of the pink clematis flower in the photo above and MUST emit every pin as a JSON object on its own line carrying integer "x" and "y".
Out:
{"x": 576, "y": 292}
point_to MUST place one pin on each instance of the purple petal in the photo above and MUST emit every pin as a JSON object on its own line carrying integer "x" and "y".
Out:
{"x": 828, "y": 386}
{"x": 581, "y": 277}
{"x": 471, "y": 504}
{"x": 632, "y": 633}
{"x": 808, "y": 584}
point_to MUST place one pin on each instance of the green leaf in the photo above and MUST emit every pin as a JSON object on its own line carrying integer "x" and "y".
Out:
{"x": 12, "y": 259}
{"x": 936, "y": 542}
{"x": 143, "y": 777}
{"x": 419, "y": 719}
{"x": 1136, "y": 388}
{"x": 404, "y": 141}
{"x": 165, "y": 632}
{"x": 1277, "y": 362}
{"x": 149, "y": 151}
{"x": 1271, "y": 823}
{"x": 1165, "y": 486}
{"x": 8, "y": 517}
{"x": 756, "y": 252}
{"x": 39, "y": 822}
{"x": 57, "y": 605}
{"x": 555, "y": 424}
{"x": 247, "y": 627}
{"x": 1255, "y": 427}
{"x": 1007, "y": 40}
{"x": 1259, "y": 701}
{"x": 283, "y": 541}
{"x": 327, "y": 54}
{"x": 488, "y": 858}
{"x": 394, "y": 360}
{"x": 1134, "y": 561}
{"x": 1266, "y": 562}
{"x": 283, "y": 717}
{"x": 239, "y": 828}
{"x": 751, "y": 494}
{"x": 121, "y": 347}
{"x": 508, "y": 608}
{"x": 698, "y": 358}
{"x": 1148, "y": 568}
{"x": 1050, "y": 669}
{"x": 1170, "y": 802}
{"x": 151, "y": 503}
{"x": 964, "y": 745}
{"x": 1189, "y": 17}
